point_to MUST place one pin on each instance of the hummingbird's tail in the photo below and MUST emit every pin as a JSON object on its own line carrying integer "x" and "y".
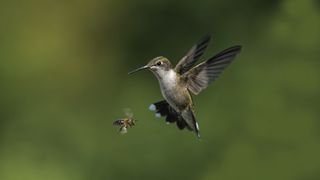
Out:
{"x": 185, "y": 120}
{"x": 163, "y": 109}
{"x": 189, "y": 118}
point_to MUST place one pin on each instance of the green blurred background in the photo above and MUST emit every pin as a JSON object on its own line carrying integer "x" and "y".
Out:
{"x": 63, "y": 79}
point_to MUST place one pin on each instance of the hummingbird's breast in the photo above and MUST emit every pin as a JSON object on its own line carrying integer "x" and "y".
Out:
{"x": 174, "y": 91}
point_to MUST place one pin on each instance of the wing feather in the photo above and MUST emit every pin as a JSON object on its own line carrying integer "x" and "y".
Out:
{"x": 192, "y": 56}
{"x": 202, "y": 75}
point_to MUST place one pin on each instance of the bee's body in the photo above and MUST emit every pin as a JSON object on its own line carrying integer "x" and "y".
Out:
{"x": 125, "y": 123}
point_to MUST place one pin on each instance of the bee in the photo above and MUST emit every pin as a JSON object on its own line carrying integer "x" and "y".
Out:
{"x": 126, "y": 122}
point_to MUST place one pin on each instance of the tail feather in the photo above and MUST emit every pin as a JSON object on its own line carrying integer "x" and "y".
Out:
{"x": 189, "y": 118}
{"x": 163, "y": 109}
{"x": 184, "y": 120}
{"x": 182, "y": 124}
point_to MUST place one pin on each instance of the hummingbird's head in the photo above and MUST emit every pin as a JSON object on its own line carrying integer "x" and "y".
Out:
{"x": 157, "y": 65}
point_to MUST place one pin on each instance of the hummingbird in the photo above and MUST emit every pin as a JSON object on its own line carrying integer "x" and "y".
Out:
{"x": 178, "y": 83}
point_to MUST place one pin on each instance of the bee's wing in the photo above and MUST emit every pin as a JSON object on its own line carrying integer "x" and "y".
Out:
{"x": 128, "y": 112}
{"x": 123, "y": 130}
{"x": 133, "y": 122}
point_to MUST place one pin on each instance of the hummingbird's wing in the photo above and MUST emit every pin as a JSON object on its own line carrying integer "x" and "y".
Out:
{"x": 200, "y": 76}
{"x": 192, "y": 56}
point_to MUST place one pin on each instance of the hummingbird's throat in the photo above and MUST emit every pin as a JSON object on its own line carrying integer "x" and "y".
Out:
{"x": 166, "y": 77}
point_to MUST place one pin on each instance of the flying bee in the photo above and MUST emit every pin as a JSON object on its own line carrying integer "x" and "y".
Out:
{"x": 126, "y": 122}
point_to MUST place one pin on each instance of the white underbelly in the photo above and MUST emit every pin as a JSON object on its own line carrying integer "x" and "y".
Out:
{"x": 170, "y": 95}
{"x": 175, "y": 95}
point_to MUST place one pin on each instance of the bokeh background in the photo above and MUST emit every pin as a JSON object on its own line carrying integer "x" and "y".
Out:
{"x": 63, "y": 81}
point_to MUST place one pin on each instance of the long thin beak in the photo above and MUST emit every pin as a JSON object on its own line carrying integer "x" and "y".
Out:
{"x": 139, "y": 69}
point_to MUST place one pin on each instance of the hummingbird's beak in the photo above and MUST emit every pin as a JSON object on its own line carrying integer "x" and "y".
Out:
{"x": 139, "y": 69}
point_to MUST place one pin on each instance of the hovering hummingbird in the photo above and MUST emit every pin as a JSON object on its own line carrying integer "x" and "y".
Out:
{"x": 177, "y": 83}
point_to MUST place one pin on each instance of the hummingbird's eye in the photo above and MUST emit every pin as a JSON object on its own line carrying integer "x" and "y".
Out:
{"x": 159, "y": 63}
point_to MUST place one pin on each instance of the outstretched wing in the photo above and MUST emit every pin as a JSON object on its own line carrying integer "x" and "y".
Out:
{"x": 128, "y": 112}
{"x": 192, "y": 56}
{"x": 200, "y": 76}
